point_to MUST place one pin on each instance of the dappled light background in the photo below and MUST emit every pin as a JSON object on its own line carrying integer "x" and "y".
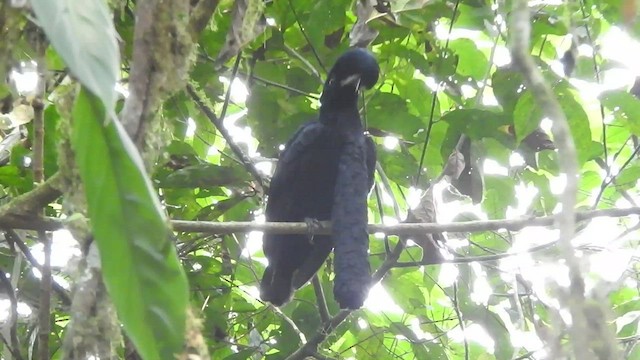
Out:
{"x": 506, "y": 307}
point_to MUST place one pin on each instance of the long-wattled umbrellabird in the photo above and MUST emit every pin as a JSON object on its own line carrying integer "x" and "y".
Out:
{"x": 325, "y": 173}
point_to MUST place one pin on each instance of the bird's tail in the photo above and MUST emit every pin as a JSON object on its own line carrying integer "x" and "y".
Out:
{"x": 321, "y": 249}
{"x": 275, "y": 286}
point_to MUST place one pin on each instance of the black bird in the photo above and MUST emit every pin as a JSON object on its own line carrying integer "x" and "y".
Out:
{"x": 303, "y": 185}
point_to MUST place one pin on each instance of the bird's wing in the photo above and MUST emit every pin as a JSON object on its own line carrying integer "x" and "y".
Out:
{"x": 294, "y": 155}
{"x": 286, "y": 253}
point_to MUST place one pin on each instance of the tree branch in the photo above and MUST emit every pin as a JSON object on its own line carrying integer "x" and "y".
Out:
{"x": 200, "y": 15}
{"x": 26, "y": 204}
{"x": 327, "y": 328}
{"x": 160, "y": 62}
{"x": 324, "y": 228}
{"x": 586, "y": 344}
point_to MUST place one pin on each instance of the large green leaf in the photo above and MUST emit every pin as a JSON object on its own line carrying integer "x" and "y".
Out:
{"x": 389, "y": 112}
{"x": 140, "y": 267}
{"x": 471, "y": 61}
{"x": 475, "y": 123}
{"x": 507, "y": 87}
{"x": 527, "y": 116}
{"x": 84, "y": 35}
{"x": 624, "y": 106}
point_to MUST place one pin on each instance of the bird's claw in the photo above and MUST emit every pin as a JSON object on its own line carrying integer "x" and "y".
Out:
{"x": 312, "y": 226}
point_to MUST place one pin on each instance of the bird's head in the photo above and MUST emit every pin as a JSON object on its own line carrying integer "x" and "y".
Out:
{"x": 355, "y": 69}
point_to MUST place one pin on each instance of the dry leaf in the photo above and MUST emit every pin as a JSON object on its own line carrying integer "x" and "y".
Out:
{"x": 362, "y": 35}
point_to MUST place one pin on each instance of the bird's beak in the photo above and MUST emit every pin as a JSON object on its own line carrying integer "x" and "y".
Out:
{"x": 352, "y": 80}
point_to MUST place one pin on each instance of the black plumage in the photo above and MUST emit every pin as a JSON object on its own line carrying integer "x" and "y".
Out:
{"x": 349, "y": 220}
{"x": 304, "y": 183}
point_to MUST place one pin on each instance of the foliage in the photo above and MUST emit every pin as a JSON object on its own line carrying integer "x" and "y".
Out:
{"x": 445, "y": 73}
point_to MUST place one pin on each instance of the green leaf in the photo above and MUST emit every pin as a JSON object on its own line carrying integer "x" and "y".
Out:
{"x": 11, "y": 175}
{"x": 588, "y": 181}
{"x": 419, "y": 97}
{"x": 471, "y": 61}
{"x": 578, "y": 123}
{"x": 140, "y": 267}
{"x": 84, "y": 36}
{"x": 241, "y": 355}
{"x": 385, "y": 106}
{"x": 500, "y": 194}
{"x": 628, "y": 177}
{"x": 404, "y": 289}
{"x": 477, "y": 124}
{"x": 399, "y": 165}
{"x": 474, "y": 16}
{"x": 527, "y": 116}
{"x": 507, "y": 85}
{"x": 325, "y": 17}
{"x": 624, "y": 106}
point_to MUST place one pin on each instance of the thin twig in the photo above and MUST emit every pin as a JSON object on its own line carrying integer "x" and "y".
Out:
{"x": 434, "y": 99}
{"x": 291, "y": 52}
{"x": 227, "y": 97}
{"x": 480, "y": 258}
{"x": 376, "y": 191}
{"x": 321, "y": 299}
{"x": 596, "y": 71}
{"x": 6, "y": 342}
{"x": 610, "y": 179}
{"x": 387, "y": 185}
{"x": 38, "y": 140}
{"x": 306, "y": 37}
{"x": 208, "y": 112}
{"x": 456, "y": 307}
{"x": 291, "y": 323}
{"x": 13, "y": 315}
{"x": 62, "y": 293}
{"x": 251, "y": 76}
{"x": 327, "y": 328}
{"x": 624, "y": 193}
{"x": 283, "y": 87}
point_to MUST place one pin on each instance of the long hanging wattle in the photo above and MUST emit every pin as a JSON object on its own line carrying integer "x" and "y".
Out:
{"x": 349, "y": 222}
